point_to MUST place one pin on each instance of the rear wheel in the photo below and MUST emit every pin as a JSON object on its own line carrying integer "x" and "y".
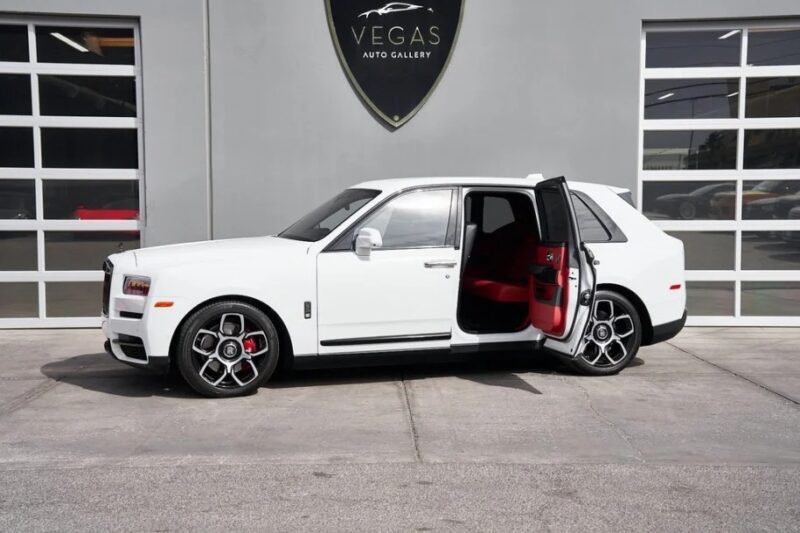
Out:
{"x": 227, "y": 349}
{"x": 612, "y": 338}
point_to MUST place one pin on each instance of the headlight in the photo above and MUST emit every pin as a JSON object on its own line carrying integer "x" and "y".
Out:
{"x": 136, "y": 285}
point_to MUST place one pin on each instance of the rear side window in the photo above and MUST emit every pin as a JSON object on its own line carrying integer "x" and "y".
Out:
{"x": 589, "y": 226}
{"x": 594, "y": 224}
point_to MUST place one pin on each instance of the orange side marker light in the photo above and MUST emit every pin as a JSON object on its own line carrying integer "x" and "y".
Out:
{"x": 164, "y": 303}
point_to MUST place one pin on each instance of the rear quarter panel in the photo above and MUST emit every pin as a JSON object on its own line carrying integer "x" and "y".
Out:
{"x": 648, "y": 264}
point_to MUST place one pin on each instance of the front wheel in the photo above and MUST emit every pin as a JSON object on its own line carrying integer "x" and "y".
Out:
{"x": 612, "y": 337}
{"x": 227, "y": 349}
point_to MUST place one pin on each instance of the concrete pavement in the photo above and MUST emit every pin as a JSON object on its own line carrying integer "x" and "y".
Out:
{"x": 702, "y": 432}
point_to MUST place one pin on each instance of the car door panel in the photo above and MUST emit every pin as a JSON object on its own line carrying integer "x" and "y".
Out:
{"x": 562, "y": 281}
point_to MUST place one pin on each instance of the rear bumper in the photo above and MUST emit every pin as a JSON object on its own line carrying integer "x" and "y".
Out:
{"x": 664, "y": 332}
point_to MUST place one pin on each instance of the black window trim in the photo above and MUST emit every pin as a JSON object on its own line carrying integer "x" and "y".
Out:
{"x": 616, "y": 235}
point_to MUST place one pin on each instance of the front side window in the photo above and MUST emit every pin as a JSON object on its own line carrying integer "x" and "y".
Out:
{"x": 327, "y": 217}
{"x": 418, "y": 219}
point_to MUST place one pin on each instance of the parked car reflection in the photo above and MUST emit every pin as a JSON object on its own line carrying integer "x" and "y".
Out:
{"x": 688, "y": 206}
{"x": 723, "y": 204}
{"x": 792, "y": 236}
{"x": 127, "y": 209}
{"x": 15, "y": 206}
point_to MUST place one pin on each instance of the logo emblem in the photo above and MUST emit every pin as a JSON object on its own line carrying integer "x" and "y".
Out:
{"x": 394, "y": 53}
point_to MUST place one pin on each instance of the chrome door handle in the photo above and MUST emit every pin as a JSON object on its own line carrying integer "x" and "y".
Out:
{"x": 440, "y": 263}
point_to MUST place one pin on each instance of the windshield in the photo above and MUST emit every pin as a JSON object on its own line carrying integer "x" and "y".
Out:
{"x": 766, "y": 186}
{"x": 327, "y": 217}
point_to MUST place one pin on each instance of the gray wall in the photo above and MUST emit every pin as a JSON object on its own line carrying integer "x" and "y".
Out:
{"x": 532, "y": 86}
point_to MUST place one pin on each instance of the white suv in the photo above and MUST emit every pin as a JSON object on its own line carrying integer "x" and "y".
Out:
{"x": 405, "y": 267}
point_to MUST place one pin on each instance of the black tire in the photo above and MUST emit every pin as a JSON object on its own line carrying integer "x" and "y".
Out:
{"x": 195, "y": 341}
{"x": 592, "y": 360}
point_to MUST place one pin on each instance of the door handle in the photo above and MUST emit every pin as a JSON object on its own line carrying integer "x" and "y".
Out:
{"x": 440, "y": 263}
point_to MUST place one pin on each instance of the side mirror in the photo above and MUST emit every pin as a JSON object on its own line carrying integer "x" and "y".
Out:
{"x": 366, "y": 240}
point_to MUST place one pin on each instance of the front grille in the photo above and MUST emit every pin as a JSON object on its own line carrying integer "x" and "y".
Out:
{"x": 108, "y": 269}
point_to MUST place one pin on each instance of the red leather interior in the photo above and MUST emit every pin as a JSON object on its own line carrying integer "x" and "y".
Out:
{"x": 498, "y": 267}
{"x": 548, "y": 309}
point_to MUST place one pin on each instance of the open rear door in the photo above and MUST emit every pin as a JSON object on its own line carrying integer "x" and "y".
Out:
{"x": 562, "y": 277}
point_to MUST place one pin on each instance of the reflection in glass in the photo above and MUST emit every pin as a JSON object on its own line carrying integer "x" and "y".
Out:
{"x": 793, "y": 236}
{"x": 16, "y": 147}
{"x": 710, "y": 298}
{"x": 91, "y": 199}
{"x": 695, "y": 98}
{"x": 689, "y": 149}
{"x": 70, "y": 299}
{"x": 769, "y": 199}
{"x": 18, "y": 250}
{"x": 19, "y": 300}
{"x": 767, "y": 250}
{"x": 62, "y": 44}
{"x": 772, "y": 148}
{"x": 707, "y": 250}
{"x": 15, "y": 94}
{"x": 85, "y": 250}
{"x": 92, "y": 96}
{"x": 773, "y": 97}
{"x": 89, "y": 148}
{"x": 17, "y": 200}
{"x": 686, "y": 200}
{"x": 773, "y": 47}
{"x": 770, "y": 298}
{"x": 718, "y": 48}
{"x": 13, "y": 43}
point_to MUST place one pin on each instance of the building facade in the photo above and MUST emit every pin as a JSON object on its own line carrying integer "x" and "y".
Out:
{"x": 138, "y": 123}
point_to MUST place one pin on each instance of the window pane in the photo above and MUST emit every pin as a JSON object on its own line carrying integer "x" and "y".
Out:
{"x": 417, "y": 219}
{"x": 589, "y": 226}
{"x": 19, "y": 300}
{"x": 87, "y": 96}
{"x": 707, "y": 250}
{"x": 89, "y": 148}
{"x": 770, "y": 199}
{"x": 74, "y": 298}
{"x": 60, "y": 44}
{"x": 771, "y": 298}
{"x": 17, "y": 200}
{"x": 496, "y": 213}
{"x": 18, "y": 250}
{"x": 773, "y": 47}
{"x": 15, "y": 94}
{"x": 773, "y": 97}
{"x": 689, "y": 200}
{"x": 85, "y": 250}
{"x": 766, "y": 250}
{"x": 718, "y": 48}
{"x": 689, "y": 149}
{"x": 13, "y": 43}
{"x": 16, "y": 147}
{"x": 695, "y": 98}
{"x": 710, "y": 298}
{"x": 772, "y": 148}
{"x": 91, "y": 199}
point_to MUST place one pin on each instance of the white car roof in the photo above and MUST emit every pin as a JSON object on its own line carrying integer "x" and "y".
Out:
{"x": 396, "y": 184}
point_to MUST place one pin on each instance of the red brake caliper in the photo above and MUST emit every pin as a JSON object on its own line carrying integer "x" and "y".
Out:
{"x": 249, "y": 345}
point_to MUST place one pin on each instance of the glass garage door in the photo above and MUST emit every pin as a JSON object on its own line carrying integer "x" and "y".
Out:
{"x": 719, "y": 164}
{"x": 70, "y": 165}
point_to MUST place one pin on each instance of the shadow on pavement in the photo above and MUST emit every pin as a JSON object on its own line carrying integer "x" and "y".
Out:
{"x": 97, "y": 372}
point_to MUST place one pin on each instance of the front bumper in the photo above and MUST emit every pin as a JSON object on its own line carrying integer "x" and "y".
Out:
{"x": 158, "y": 365}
